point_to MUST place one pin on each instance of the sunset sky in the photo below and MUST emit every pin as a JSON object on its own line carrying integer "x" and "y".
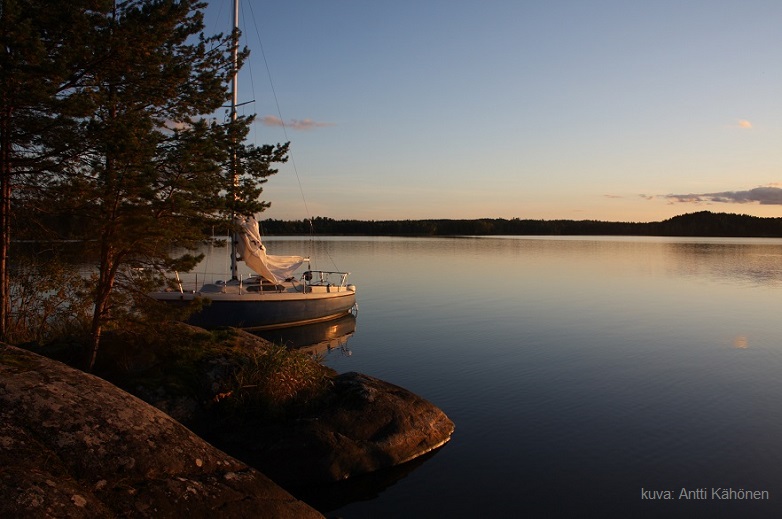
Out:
{"x": 585, "y": 109}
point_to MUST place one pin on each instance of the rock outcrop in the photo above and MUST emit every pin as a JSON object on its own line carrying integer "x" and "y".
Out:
{"x": 73, "y": 445}
{"x": 365, "y": 425}
{"x": 359, "y": 426}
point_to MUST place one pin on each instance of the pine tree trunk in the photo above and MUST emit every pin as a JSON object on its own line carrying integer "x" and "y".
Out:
{"x": 106, "y": 277}
{"x": 5, "y": 218}
{"x": 95, "y": 334}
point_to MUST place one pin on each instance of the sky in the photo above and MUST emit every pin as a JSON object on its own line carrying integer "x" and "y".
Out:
{"x": 617, "y": 110}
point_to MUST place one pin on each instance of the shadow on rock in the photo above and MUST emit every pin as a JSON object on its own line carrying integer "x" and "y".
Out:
{"x": 363, "y": 426}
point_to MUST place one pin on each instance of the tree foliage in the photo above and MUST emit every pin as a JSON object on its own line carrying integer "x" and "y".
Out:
{"x": 42, "y": 50}
{"x": 150, "y": 165}
{"x": 703, "y": 223}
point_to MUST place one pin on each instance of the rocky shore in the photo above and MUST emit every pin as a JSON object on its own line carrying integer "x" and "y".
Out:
{"x": 74, "y": 445}
{"x": 366, "y": 425}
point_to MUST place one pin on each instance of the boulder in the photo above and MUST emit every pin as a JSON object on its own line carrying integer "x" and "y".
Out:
{"x": 364, "y": 425}
{"x": 73, "y": 445}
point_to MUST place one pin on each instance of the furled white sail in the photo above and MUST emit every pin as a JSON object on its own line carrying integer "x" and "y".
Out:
{"x": 253, "y": 252}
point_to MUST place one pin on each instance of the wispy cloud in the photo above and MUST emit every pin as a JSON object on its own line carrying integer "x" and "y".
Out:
{"x": 294, "y": 124}
{"x": 745, "y": 124}
{"x": 176, "y": 125}
{"x": 765, "y": 195}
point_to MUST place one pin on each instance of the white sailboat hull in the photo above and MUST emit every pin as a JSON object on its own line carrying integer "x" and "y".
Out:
{"x": 268, "y": 309}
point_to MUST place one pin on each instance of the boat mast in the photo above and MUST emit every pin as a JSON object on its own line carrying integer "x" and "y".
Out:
{"x": 234, "y": 165}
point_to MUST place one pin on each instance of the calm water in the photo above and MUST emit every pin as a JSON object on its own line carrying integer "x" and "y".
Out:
{"x": 578, "y": 372}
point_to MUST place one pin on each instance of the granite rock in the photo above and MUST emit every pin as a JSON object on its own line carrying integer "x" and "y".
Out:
{"x": 364, "y": 425}
{"x": 73, "y": 445}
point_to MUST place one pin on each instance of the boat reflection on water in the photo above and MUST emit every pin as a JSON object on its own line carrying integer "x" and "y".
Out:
{"x": 317, "y": 338}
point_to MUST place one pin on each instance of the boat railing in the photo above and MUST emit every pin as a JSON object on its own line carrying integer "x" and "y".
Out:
{"x": 325, "y": 278}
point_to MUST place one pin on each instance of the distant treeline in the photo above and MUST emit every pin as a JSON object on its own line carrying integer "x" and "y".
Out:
{"x": 703, "y": 223}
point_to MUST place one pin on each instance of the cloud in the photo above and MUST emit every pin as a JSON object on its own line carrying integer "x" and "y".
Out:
{"x": 745, "y": 124}
{"x": 767, "y": 195}
{"x": 294, "y": 124}
{"x": 176, "y": 125}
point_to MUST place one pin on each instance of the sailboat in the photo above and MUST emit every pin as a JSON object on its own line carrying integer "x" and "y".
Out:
{"x": 274, "y": 296}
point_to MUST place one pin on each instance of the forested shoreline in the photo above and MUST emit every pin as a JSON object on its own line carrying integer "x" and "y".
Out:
{"x": 704, "y": 223}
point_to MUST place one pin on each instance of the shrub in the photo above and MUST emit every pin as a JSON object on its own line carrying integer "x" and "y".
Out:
{"x": 275, "y": 381}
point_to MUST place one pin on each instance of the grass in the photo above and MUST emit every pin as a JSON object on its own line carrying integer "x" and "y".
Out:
{"x": 226, "y": 371}
{"x": 275, "y": 381}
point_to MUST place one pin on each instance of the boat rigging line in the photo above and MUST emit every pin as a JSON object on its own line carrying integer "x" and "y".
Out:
{"x": 310, "y": 217}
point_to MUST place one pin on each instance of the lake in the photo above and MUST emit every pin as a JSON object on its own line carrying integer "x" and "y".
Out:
{"x": 586, "y": 376}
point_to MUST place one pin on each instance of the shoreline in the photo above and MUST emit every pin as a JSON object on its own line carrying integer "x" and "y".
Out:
{"x": 363, "y": 425}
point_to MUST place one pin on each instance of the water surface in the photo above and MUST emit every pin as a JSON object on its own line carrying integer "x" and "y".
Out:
{"x": 580, "y": 372}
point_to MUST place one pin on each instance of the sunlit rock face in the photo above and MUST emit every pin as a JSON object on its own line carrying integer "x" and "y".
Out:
{"x": 366, "y": 425}
{"x": 73, "y": 445}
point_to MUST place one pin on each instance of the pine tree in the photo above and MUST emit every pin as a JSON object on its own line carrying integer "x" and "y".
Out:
{"x": 155, "y": 173}
{"x": 148, "y": 166}
{"x": 42, "y": 54}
